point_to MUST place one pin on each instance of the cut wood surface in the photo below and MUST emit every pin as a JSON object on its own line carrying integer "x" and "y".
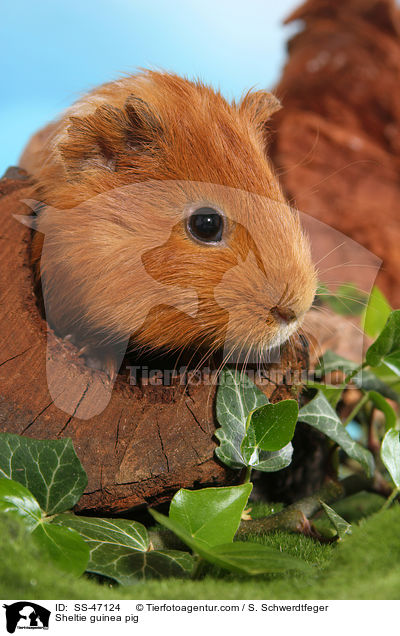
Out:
{"x": 148, "y": 442}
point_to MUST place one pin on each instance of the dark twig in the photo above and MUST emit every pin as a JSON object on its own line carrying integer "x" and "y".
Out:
{"x": 295, "y": 517}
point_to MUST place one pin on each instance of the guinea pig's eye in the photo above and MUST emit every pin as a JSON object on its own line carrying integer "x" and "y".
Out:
{"x": 206, "y": 225}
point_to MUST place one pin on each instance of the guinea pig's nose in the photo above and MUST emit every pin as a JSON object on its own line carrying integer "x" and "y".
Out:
{"x": 283, "y": 314}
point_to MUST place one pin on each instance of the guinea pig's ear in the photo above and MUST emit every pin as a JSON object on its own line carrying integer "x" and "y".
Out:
{"x": 144, "y": 126}
{"x": 259, "y": 106}
{"x": 99, "y": 140}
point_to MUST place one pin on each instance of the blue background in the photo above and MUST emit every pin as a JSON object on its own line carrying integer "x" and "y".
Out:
{"x": 51, "y": 52}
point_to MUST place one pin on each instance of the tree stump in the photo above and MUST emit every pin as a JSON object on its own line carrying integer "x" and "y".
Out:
{"x": 336, "y": 142}
{"x": 149, "y": 441}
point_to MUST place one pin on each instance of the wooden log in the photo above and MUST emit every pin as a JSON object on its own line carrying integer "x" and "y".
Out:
{"x": 149, "y": 441}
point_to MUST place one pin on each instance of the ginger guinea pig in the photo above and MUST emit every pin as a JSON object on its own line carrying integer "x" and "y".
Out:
{"x": 162, "y": 221}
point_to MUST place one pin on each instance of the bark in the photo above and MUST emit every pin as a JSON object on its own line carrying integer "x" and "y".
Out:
{"x": 149, "y": 441}
{"x": 336, "y": 142}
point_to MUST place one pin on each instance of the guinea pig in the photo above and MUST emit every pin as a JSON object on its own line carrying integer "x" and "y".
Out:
{"x": 161, "y": 221}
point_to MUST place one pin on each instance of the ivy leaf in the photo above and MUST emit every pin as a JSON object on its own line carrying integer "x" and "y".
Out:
{"x": 365, "y": 379}
{"x": 246, "y": 558}
{"x": 384, "y": 406}
{"x": 347, "y": 300}
{"x": 17, "y": 499}
{"x": 341, "y": 526}
{"x": 119, "y": 549}
{"x": 330, "y": 361}
{"x": 390, "y": 454}
{"x": 319, "y": 414}
{"x": 270, "y": 462}
{"x": 255, "y": 558}
{"x": 129, "y": 567}
{"x": 331, "y": 391}
{"x": 50, "y": 469}
{"x": 386, "y": 348}
{"x": 269, "y": 428}
{"x": 210, "y": 515}
{"x": 99, "y": 533}
{"x": 64, "y": 546}
{"x": 392, "y": 361}
{"x": 237, "y": 396}
{"x": 376, "y": 313}
{"x": 368, "y": 380}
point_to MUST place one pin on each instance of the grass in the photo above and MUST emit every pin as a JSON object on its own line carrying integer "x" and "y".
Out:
{"x": 364, "y": 565}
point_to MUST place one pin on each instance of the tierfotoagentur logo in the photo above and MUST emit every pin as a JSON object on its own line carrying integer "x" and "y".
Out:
{"x": 26, "y": 615}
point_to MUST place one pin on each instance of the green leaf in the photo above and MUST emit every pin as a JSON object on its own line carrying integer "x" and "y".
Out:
{"x": 341, "y": 525}
{"x": 64, "y": 546}
{"x": 386, "y": 348}
{"x": 196, "y": 545}
{"x": 253, "y": 559}
{"x": 376, "y": 313}
{"x": 319, "y": 414}
{"x": 270, "y": 462}
{"x": 392, "y": 361}
{"x": 17, "y": 499}
{"x": 390, "y": 454}
{"x": 331, "y": 391}
{"x": 347, "y": 300}
{"x": 128, "y": 567}
{"x": 269, "y": 428}
{"x": 237, "y": 396}
{"x": 266, "y": 445}
{"x": 372, "y": 380}
{"x": 104, "y": 532}
{"x": 366, "y": 379}
{"x": 210, "y": 515}
{"x": 330, "y": 361}
{"x": 50, "y": 469}
{"x": 119, "y": 549}
{"x": 384, "y": 406}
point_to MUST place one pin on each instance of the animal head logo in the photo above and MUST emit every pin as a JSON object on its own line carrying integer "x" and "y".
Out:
{"x": 26, "y": 615}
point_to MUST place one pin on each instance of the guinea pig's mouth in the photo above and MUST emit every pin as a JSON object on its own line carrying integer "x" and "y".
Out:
{"x": 283, "y": 335}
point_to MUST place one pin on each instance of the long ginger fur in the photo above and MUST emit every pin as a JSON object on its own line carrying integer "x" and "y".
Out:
{"x": 118, "y": 172}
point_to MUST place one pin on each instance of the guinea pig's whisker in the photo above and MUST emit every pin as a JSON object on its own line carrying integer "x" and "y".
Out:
{"x": 342, "y": 299}
{"x": 204, "y": 358}
{"x": 312, "y": 346}
{"x": 334, "y": 173}
{"x": 329, "y": 253}
{"x": 324, "y": 310}
{"x": 243, "y": 369}
{"x": 308, "y": 157}
{"x": 246, "y": 361}
{"x": 215, "y": 377}
{"x": 348, "y": 264}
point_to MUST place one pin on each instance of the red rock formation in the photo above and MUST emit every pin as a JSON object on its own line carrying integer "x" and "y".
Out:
{"x": 337, "y": 140}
